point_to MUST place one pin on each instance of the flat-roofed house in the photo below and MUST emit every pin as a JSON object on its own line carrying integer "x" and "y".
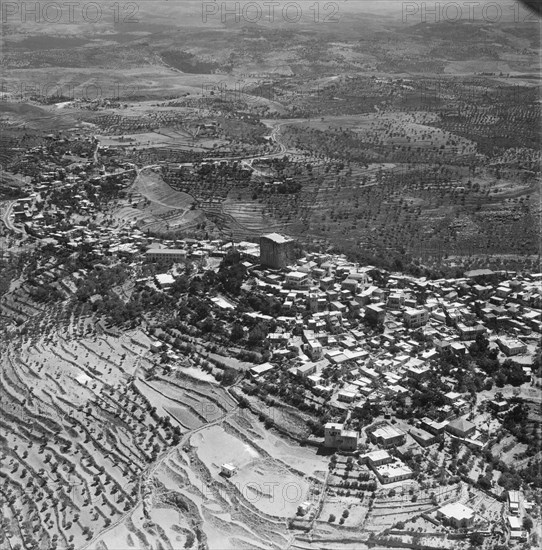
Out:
{"x": 459, "y": 515}
{"x": 377, "y": 458}
{"x": 470, "y": 332}
{"x": 451, "y": 397}
{"x": 351, "y": 285}
{"x": 387, "y": 436}
{"x": 514, "y": 525}
{"x": 314, "y": 350}
{"x": 415, "y": 318}
{"x": 422, "y": 437}
{"x": 393, "y": 472}
{"x": 297, "y": 279}
{"x": 349, "y": 440}
{"x": 499, "y": 405}
{"x": 164, "y": 280}
{"x": 346, "y": 396}
{"x": 395, "y": 300}
{"x": 511, "y": 346}
{"x": 227, "y": 470}
{"x": 375, "y": 313}
{"x": 416, "y": 368}
{"x": 261, "y": 369}
{"x": 156, "y": 346}
{"x": 306, "y": 370}
{"x": 326, "y": 283}
{"x": 513, "y": 502}
{"x": 433, "y": 427}
{"x": 166, "y": 254}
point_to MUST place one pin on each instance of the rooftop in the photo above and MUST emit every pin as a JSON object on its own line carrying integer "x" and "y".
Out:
{"x": 260, "y": 369}
{"x": 462, "y": 424}
{"x": 277, "y": 238}
{"x": 375, "y": 456}
{"x": 457, "y": 511}
{"x": 393, "y": 470}
{"x": 387, "y": 432}
{"x": 166, "y": 251}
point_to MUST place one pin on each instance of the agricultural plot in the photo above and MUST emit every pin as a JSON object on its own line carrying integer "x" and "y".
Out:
{"x": 335, "y": 507}
{"x": 387, "y": 512}
{"x": 191, "y": 501}
{"x": 451, "y": 209}
{"x": 77, "y": 434}
{"x": 73, "y": 440}
{"x": 269, "y": 485}
{"x": 252, "y": 218}
{"x": 415, "y": 131}
{"x": 161, "y": 208}
{"x": 399, "y": 145}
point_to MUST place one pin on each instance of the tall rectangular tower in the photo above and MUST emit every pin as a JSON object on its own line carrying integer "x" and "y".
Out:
{"x": 276, "y": 251}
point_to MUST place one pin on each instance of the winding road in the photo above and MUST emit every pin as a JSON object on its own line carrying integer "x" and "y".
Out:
{"x": 6, "y": 218}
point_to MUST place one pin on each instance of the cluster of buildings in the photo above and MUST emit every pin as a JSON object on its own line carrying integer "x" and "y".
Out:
{"x": 416, "y": 321}
{"x": 327, "y": 304}
{"x": 388, "y": 468}
{"x": 461, "y": 516}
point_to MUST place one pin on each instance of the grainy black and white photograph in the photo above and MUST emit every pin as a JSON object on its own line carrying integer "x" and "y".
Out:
{"x": 270, "y": 275}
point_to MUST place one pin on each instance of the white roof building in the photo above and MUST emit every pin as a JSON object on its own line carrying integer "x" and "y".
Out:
{"x": 261, "y": 369}
{"x": 164, "y": 279}
{"x": 457, "y": 512}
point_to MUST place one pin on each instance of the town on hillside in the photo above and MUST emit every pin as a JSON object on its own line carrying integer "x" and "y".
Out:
{"x": 270, "y": 275}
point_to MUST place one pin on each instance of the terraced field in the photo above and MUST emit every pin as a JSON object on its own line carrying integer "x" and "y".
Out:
{"x": 430, "y": 199}
{"x": 156, "y": 206}
{"x": 249, "y": 218}
{"x": 70, "y": 441}
{"x": 80, "y": 443}
{"x": 97, "y": 453}
{"x": 248, "y": 510}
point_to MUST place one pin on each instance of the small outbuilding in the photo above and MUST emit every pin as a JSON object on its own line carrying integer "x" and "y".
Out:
{"x": 228, "y": 470}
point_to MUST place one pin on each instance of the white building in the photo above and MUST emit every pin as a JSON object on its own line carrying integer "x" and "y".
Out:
{"x": 459, "y": 515}
{"x": 166, "y": 254}
{"x": 392, "y": 472}
{"x": 415, "y": 318}
{"x": 261, "y": 369}
{"x": 297, "y": 279}
{"x": 227, "y": 470}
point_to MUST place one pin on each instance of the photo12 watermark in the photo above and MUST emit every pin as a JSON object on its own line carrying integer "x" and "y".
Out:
{"x": 252, "y": 91}
{"x": 239, "y": 90}
{"x": 211, "y": 411}
{"x": 451, "y": 12}
{"x": 69, "y": 13}
{"x": 283, "y": 495}
{"x": 54, "y": 92}
{"x": 434, "y": 92}
{"x": 270, "y": 11}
